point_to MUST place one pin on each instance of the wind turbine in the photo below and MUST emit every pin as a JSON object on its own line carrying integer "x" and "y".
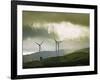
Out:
{"x": 39, "y": 47}
{"x": 57, "y": 42}
{"x": 57, "y": 46}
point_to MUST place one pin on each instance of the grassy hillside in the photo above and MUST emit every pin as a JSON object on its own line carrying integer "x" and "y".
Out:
{"x": 78, "y": 58}
{"x": 43, "y": 54}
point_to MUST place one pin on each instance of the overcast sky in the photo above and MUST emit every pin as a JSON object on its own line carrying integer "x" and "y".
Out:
{"x": 70, "y": 28}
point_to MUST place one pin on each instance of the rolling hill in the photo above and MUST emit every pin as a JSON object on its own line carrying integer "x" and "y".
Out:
{"x": 43, "y": 54}
{"x": 77, "y": 58}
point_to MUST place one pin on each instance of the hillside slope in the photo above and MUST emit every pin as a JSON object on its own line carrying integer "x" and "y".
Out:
{"x": 78, "y": 58}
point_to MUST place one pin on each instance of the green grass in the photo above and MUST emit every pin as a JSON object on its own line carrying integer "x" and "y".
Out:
{"x": 79, "y": 58}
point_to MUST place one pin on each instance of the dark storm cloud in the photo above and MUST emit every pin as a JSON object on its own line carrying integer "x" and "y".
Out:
{"x": 77, "y": 18}
{"x": 29, "y": 31}
{"x": 30, "y": 17}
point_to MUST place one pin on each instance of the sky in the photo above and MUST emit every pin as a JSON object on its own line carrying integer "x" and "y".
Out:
{"x": 70, "y": 28}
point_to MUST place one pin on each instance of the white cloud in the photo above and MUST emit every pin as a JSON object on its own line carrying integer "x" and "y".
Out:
{"x": 68, "y": 32}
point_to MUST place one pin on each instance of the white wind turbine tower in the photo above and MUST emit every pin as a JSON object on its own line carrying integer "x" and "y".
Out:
{"x": 39, "y": 47}
{"x": 57, "y": 46}
{"x": 57, "y": 42}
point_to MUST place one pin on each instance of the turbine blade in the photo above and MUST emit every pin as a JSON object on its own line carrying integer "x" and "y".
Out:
{"x": 37, "y": 43}
{"x": 41, "y": 42}
{"x": 60, "y": 41}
